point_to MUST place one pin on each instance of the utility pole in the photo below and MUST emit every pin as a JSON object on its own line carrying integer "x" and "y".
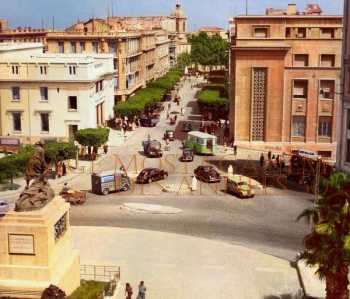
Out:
{"x": 246, "y": 7}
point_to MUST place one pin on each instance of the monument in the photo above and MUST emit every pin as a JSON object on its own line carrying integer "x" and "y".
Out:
{"x": 36, "y": 239}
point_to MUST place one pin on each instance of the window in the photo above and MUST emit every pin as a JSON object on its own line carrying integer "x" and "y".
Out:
{"x": 112, "y": 48}
{"x": 327, "y": 89}
{"x": 300, "y": 89}
{"x": 15, "y": 70}
{"x": 72, "y": 103}
{"x": 99, "y": 86}
{"x": 301, "y": 60}
{"x": 261, "y": 32}
{"x": 95, "y": 47}
{"x": 82, "y": 46}
{"x": 44, "y": 118}
{"x": 73, "y": 46}
{"x": 43, "y": 70}
{"x": 288, "y": 32}
{"x": 298, "y": 127}
{"x": 44, "y": 93}
{"x": 60, "y": 47}
{"x": 327, "y": 32}
{"x": 325, "y": 126}
{"x": 16, "y": 93}
{"x": 72, "y": 70}
{"x": 301, "y": 33}
{"x": 16, "y": 121}
{"x": 327, "y": 60}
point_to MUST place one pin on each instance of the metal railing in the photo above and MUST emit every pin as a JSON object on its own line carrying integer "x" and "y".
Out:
{"x": 100, "y": 273}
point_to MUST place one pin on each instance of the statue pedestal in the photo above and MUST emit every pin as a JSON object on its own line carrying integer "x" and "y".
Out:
{"x": 36, "y": 251}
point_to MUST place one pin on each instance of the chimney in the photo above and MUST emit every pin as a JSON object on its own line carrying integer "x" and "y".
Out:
{"x": 292, "y": 9}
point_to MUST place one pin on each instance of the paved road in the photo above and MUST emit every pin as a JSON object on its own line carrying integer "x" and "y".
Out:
{"x": 265, "y": 223}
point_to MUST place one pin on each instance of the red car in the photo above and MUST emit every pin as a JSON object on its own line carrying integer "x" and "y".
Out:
{"x": 207, "y": 174}
{"x": 149, "y": 175}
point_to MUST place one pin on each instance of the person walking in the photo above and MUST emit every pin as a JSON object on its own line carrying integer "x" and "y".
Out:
{"x": 142, "y": 290}
{"x": 269, "y": 154}
{"x": 235, "y": 150}
{"x": 262, "y": 160}
{"x": 128, "y": 291}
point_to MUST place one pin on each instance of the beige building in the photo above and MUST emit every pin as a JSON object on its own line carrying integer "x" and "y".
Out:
{"x": 285, "y": 80}
{"x": 52, "y": 95}
{"x": 212, "y": 30}
{"x": 344, "y": 119}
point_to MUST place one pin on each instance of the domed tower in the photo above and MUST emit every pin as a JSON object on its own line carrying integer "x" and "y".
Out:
{"x": 180, "y": 20}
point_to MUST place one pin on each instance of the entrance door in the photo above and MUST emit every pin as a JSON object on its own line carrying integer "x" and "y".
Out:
{"x": 72, "y": 129}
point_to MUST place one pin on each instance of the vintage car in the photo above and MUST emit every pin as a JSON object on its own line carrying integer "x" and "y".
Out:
{"x": 207, "y": 174}
{"x": 149, "y": 175}
{"x": 4, "y": 207}
{"x": 74, "y": 197}
{"x": 186, "y": 127}
{"x": 187, "y": 155}
{"x": 109, "y": 181}
{"x": 148, "y": 121}
{"x": 170, "y": 135}
{"x": 239, "y": 187}
{"x": 152, "y": 148}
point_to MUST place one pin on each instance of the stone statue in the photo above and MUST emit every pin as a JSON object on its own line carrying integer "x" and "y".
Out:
{"x": 38, "y": 193}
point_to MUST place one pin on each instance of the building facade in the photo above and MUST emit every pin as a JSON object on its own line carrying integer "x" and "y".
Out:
{"x": 52, "y": 95}
{"x": 344, "y": 119}
{"x": 285, "y": 80}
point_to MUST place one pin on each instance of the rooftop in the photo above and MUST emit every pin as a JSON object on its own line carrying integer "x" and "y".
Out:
{"x": 5, "y": 47}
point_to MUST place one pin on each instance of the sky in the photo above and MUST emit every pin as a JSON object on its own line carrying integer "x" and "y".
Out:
{"x": 200, "y": 13}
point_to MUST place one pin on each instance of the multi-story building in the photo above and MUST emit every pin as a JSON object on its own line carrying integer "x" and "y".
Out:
{"x": 285, "y": 80}
{"x": 52, "y": 95}
{"x": 343, "y": 160}
{"x": 213, "y": 30}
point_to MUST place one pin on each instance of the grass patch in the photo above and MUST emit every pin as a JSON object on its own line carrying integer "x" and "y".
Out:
{"x": 89, "y": 289}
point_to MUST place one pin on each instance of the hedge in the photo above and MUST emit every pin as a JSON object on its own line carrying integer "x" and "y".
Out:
{"x": 154, "y": 92}
{"x": 213, "y": 98}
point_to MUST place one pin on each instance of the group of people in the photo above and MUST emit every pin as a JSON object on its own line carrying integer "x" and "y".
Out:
{"x": 61, "y": 169}
{"x": 141, "y": 293}
{"x": 274, "y": 161}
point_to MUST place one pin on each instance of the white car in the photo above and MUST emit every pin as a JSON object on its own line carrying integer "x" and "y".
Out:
{"x": 4, "y": 207}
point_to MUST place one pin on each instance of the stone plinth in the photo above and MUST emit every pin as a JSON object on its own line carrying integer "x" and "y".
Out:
{"x": 36, "y": 250}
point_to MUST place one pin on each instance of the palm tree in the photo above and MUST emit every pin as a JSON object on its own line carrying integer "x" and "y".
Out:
{"x": 328, "y": 245}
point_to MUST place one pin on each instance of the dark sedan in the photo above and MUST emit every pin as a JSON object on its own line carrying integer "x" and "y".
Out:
{"x": 149, "y": 175}
{"x": 186, "y": 127}
{"x": 207, "y": 174}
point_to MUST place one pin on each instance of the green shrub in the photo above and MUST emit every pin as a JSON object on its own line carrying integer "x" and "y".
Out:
{"x": 88, "y": 290}
{"x": 56, "y": 151}
{"x": 212, "y": 97}
{"x": 92, "y": 136}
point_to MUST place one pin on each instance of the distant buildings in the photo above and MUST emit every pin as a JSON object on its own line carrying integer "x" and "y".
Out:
{"x": 285, "y": 80}
{"x": 144, "y": 48}
{"x": 212, "y": 30}
{"x": 52, "y": 95}
{"x": 344, "y": 119}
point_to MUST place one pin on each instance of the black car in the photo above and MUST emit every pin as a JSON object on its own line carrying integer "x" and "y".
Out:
{"x": 149, "y": 175}
{"x": 187, "y": 155}
{"x": 207, "y": 174}
{"x": 170, "y": 135}
{"x": 186, "y": 127}
{"x": 152, "y": 148}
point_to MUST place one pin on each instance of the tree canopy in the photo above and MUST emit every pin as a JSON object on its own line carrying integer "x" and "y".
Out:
{"x": 208, "y": 50}
{"x": 92, "y": 136}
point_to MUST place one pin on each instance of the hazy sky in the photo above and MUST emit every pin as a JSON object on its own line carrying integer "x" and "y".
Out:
{"x": 199, "y": 12}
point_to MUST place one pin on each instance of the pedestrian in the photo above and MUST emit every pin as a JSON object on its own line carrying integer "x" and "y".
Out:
{"x": 128, "y": 291}
{"x": 142, "y": 290}
{"x": 230, "y": 170}
{"x": 235, "y": 150}
{"x": 278, "y": 161}
{"x": 59, "y": 169}
{"x": 169, "y": 106}
{"x": 194, "y": 184}
{"x": 182, "y": 111}
{"x": 175, "y": 117}
{"x": 64, "y": 169}
{"x": 269, "y": 154}
{"x": 105, "y": 148}
{"x": 262, "y": 160}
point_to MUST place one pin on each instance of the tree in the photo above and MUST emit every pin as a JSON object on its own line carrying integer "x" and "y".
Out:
{"x": 58, "y": 151}
{"x": 93, "y": 137}
{"x": 208, "y": 50}
{"x": 183, "y": 60}
{"x": 328, "y": 245}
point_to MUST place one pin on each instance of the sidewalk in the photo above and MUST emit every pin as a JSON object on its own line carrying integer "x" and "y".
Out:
{"x": 183, "y": 267}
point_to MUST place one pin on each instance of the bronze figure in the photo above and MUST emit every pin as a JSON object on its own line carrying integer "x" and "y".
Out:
{"x": 38, "y": 193}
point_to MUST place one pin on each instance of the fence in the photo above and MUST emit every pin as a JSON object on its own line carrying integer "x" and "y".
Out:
{"x": 100, "y": 273}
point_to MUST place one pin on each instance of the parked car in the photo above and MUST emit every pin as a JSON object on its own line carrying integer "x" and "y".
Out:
{"x": 238, "y": 187}
{"x": 207, "y": 174}
{"x": 109, "y": 181}
{"x": 4, "y": 207}
{"x": 149, "y": 175}
{"x": 148, "y": 121}
{"x": 187, "y": 155}
{"x": 186, "y": 127}
{"x": 169, "y": 134}
{"x": 152, "y": 148}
